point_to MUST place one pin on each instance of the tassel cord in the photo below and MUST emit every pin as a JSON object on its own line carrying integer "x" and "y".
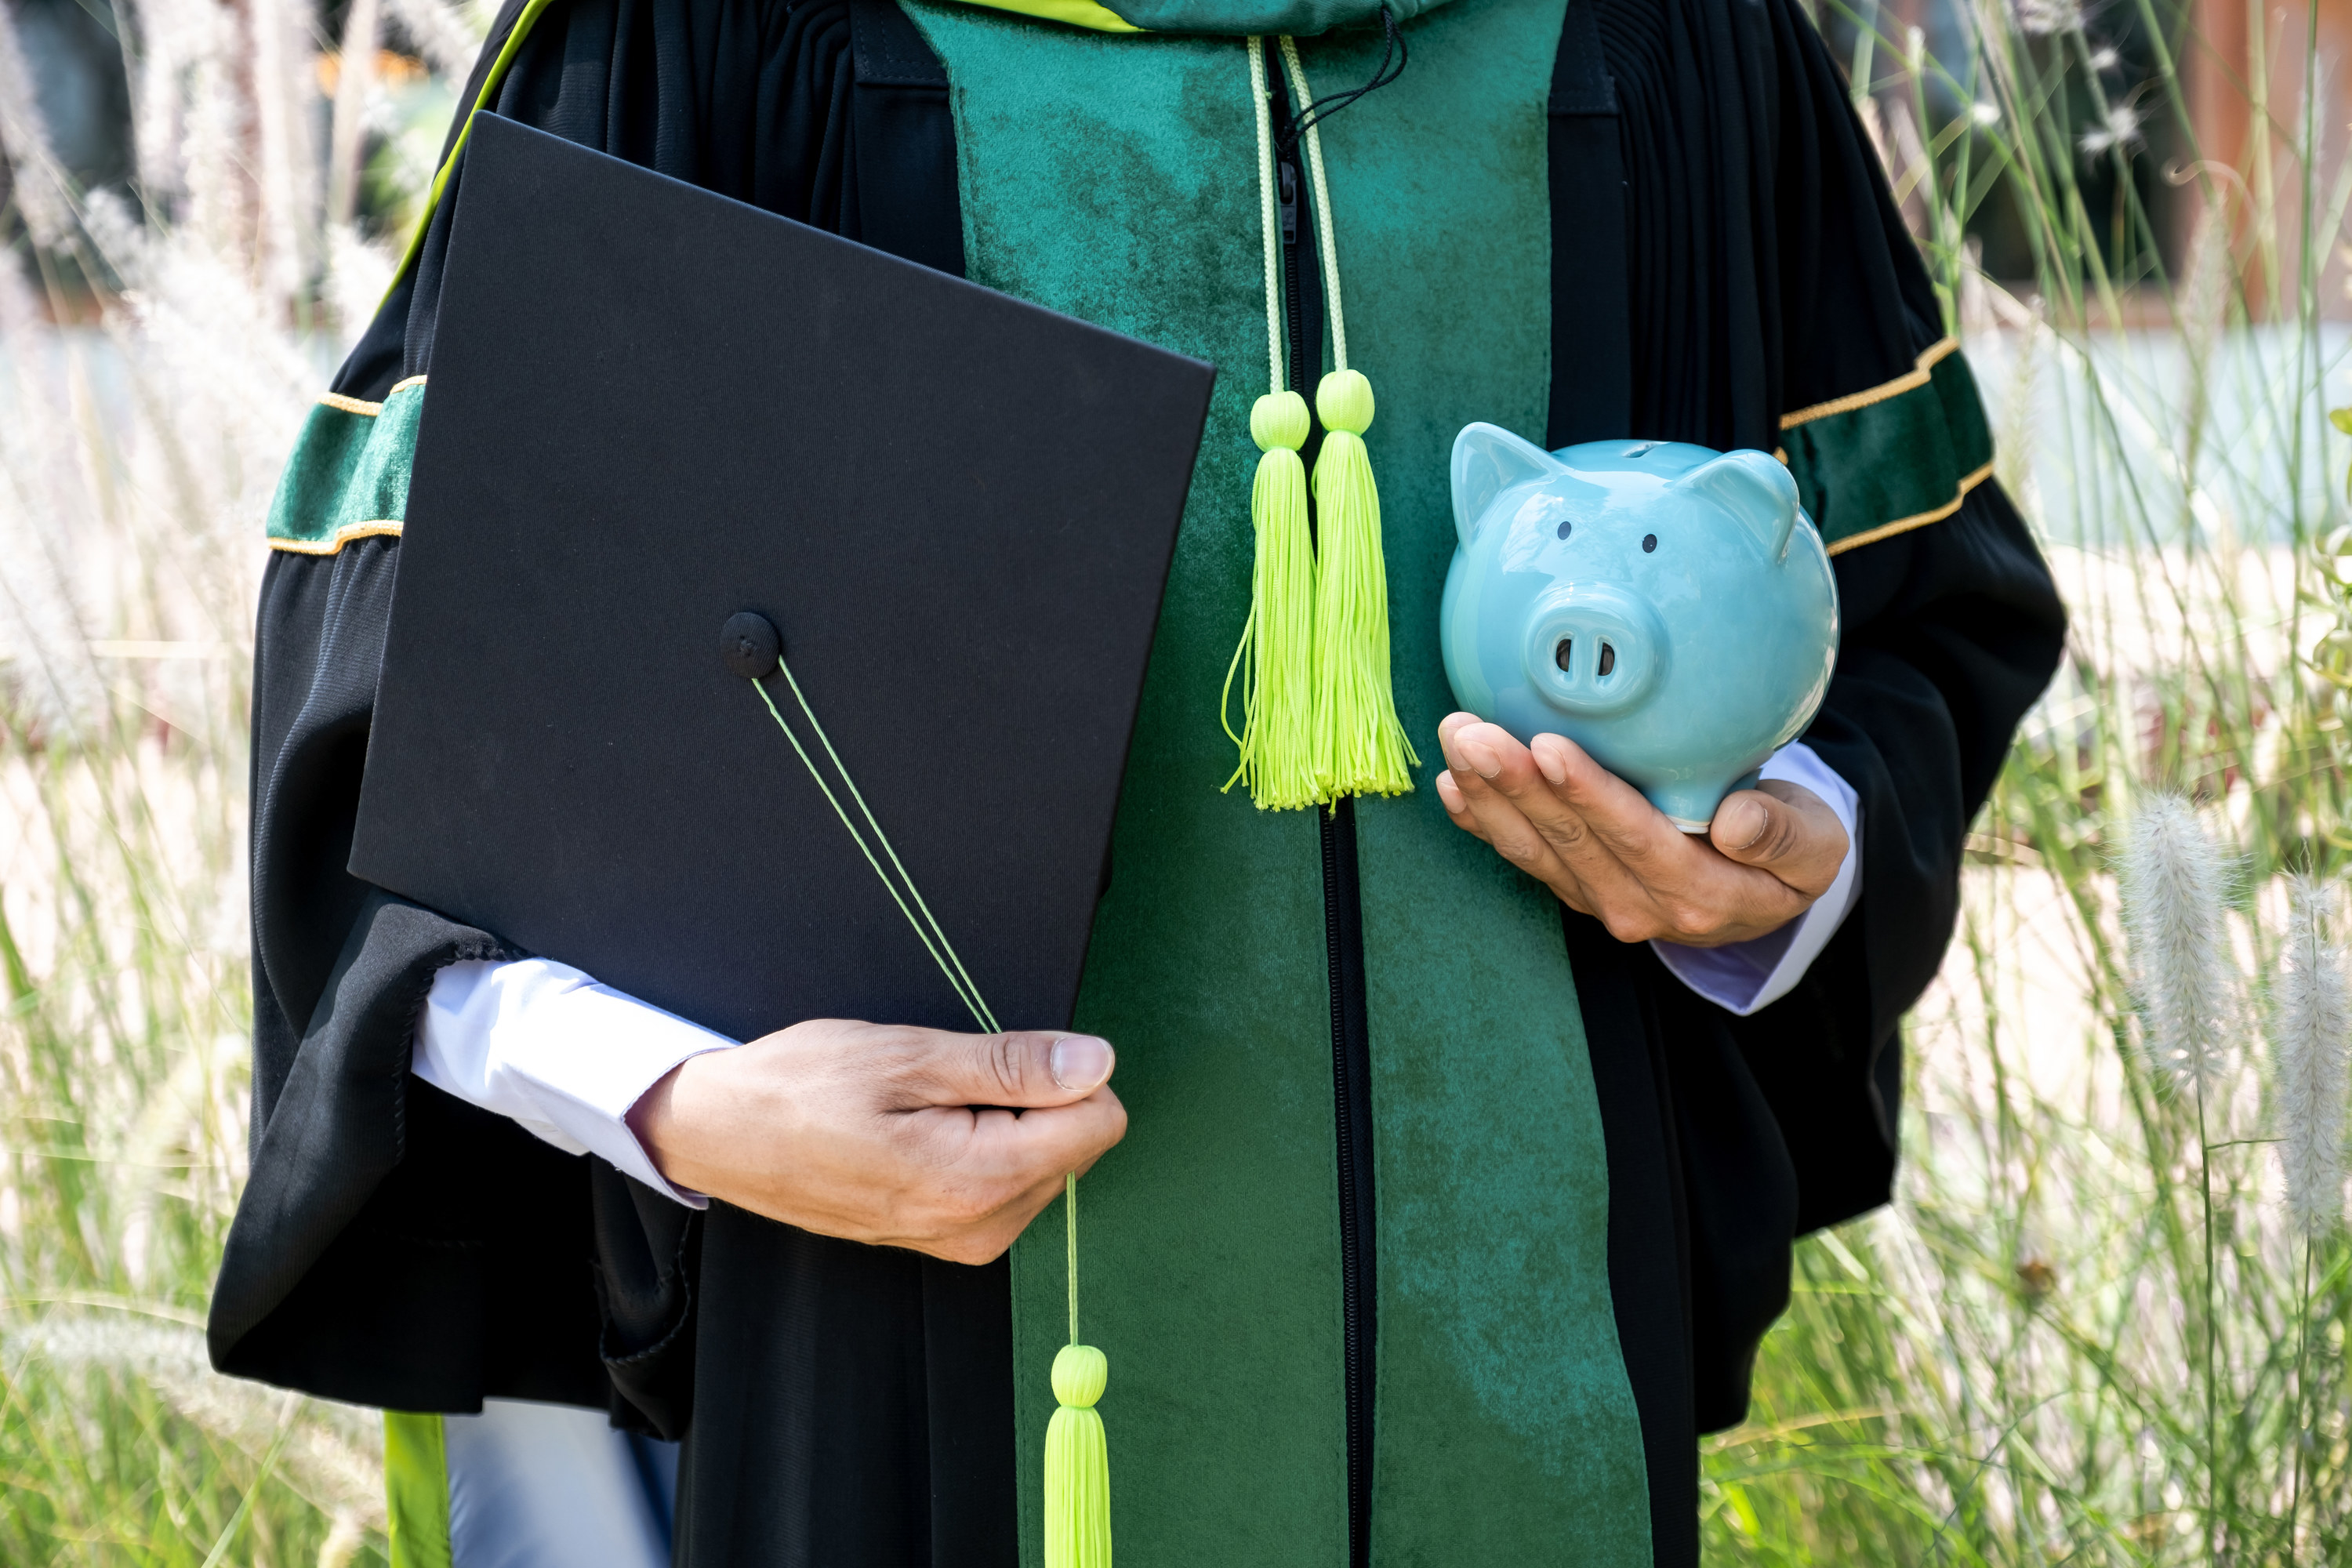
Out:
{"x": 933, "y": 936}
{"x": 1078, "y": 1466}
{"x": 1311, "y": 125}
{"x": 1078, "y": 1453}
{"x": 1266, "y": 213}
{"x": 1359, "y": 744}
{"x": 1274, "y": 658}
{"x": 987, "y": 1017}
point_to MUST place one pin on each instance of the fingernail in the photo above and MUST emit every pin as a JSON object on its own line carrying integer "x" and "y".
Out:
{"x": 1079, "y": 1062}
{"x": 1481, "y": 757}
{"x": 1553, "y": 764}
{"x": 1746, "y": 825}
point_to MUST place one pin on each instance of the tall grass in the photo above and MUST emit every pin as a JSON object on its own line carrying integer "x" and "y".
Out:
{"x": 2089, "y": 1330}
{"x": 139, "y": 445}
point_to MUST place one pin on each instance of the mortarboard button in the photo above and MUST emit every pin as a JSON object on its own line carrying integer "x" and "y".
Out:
{"x": 749, "y": 646}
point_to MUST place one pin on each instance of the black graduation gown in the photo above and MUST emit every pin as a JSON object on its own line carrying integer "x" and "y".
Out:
{"x": 397, "y": 1246}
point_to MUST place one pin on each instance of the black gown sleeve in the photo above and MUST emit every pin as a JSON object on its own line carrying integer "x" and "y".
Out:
{"x": 1952, "y": 628}
{"x": 1766, "y": 270}
{"x": 394, "y": 1245}
{"x": 339, "y": 973}
{"x": 1952, "y": 632}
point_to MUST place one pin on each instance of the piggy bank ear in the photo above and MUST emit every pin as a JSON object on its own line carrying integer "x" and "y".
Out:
{"x": 1752, "y": 487}
{"x": 1488, "y": 460}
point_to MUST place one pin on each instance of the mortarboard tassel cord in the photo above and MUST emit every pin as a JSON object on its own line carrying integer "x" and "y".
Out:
{"x": 1077, "y": 1459}
{"x": 927, "y": 930}
{"x": 1318, "y": 712}
{"x": 1077, "y": 1463}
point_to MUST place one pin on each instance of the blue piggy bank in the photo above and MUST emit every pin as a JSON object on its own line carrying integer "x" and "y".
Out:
{"x": 1666, "y": 607}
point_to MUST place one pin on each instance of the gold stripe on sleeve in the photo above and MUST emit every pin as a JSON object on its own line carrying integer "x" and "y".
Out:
{"x": 360, "y": 405}
{"x": 1916, "y": 376}
{"x": 386, "y": 528}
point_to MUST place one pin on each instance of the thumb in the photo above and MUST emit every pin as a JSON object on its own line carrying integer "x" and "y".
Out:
{"x": 1024, "y": 1068}
{"x": 1782, "y": 828}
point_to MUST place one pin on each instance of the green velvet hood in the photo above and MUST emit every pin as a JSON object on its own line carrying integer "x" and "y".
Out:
{"x": 1114, "y": 177}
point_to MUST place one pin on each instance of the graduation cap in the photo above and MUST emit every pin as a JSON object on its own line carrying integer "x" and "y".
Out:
{"x": 771, "y": 617}
{"x": 690, "y": 474}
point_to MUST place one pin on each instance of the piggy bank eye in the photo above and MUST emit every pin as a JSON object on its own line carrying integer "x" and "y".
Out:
{"x": 1649, "y": 542}
{"x": 1566, "y": 528}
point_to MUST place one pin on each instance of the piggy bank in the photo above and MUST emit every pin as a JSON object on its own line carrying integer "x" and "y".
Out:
{"x": 1666, "y": 607}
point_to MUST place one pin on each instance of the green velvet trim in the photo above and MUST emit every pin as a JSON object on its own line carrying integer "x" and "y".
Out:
{"x": 1212, "y": 1265}
{"x": 417, "y": 1489}
{"x": 1506, "y": 1424}
{"x": 348, "y": 469}
{"x": 1506, "y": 1427}
{"x": 1905, "y": 456}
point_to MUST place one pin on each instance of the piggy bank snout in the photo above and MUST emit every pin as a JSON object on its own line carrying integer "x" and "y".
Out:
{"x": 1593, "y": 648}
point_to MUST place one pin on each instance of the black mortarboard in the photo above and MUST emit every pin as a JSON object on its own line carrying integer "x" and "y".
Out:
{"x": 653, "y": 411}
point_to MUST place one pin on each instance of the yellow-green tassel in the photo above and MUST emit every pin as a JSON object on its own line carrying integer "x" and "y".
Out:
{"x": 1077, "y": 1464}
{"x": 1361, "y": 749}
{"x": 1276, "y": 653}
{"x": 1077, "y": 1458}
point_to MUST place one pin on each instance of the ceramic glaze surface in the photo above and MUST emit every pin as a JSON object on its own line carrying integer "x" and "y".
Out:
{"x": 1667, "y": 607}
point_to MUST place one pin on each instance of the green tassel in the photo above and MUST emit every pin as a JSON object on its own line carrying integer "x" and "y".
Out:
{"x": 1077, "y": 1464}
{"x": 1077, "y": 1459}
{"x": 1276, "y": 652}
{"x": 1361, "y": 749}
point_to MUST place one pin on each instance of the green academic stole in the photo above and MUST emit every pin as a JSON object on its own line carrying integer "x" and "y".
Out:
{"x": 1113, "y": 176}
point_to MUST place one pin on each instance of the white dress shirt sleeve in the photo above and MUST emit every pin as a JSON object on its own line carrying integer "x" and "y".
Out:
{"x": 546, "y": 1046}
{"x": 1745, "y": 977}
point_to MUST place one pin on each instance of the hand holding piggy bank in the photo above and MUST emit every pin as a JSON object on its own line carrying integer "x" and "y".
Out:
{"x": 1658, "y": 604}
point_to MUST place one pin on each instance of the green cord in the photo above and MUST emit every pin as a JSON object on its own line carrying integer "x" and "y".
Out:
{"x": 956, "y": 978}
{"x": 1265, "y": 212}
{"x": 826, "y": 741}
{"x": 490, "y": 83}
{"x": 1331, "y": 245}
{"x": 1076, "y": 1461}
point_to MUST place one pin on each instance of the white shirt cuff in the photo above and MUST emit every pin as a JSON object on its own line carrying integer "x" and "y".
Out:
{"x": 1743, "y": 978}
{"x": 545, "y": 1045}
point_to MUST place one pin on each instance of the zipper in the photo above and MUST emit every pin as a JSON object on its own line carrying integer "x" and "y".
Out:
{"x": 1343, "y": 926}
{"x": 1343, "y": 921}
